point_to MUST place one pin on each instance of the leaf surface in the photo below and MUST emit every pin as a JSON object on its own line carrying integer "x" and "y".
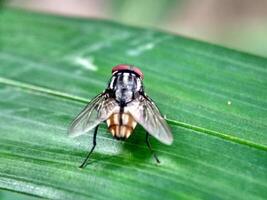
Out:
{"x": 214, "y": 99}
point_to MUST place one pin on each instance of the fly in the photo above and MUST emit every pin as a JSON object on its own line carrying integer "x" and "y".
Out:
{"x": 122, "y": 105}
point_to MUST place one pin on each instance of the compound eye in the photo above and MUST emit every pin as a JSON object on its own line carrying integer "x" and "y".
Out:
{"x": 120, "y": 67}
{"x": 138, "y": 71}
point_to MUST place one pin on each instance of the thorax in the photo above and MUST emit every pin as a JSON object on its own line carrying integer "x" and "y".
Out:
{"x": 125, "y": 85}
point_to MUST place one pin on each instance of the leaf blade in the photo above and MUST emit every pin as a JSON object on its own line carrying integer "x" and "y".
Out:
{"x": 42, "y": 94}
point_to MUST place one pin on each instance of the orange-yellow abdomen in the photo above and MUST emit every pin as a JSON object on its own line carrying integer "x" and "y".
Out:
{"x": 121, "y": 125}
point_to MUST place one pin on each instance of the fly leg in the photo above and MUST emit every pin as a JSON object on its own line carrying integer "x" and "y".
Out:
{"x": 149, "y": 147}
{"x": 92, "y": 149}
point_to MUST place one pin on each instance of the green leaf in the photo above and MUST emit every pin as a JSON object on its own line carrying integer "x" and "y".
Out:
{"x": 214, "y": 99}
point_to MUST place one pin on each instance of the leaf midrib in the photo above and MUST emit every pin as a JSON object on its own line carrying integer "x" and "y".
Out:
{"x": 195, "y": 128}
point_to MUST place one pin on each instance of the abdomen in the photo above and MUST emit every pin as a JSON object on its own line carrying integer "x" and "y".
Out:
{"x": 122, "y": 125}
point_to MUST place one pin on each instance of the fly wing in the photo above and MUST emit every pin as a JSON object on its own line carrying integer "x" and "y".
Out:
{"x": 146, "y": 113}
{"x": 97, "y": 111}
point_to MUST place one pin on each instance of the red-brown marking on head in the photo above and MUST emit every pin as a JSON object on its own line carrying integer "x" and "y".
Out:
{"x": 122, "y": 67}
{"x": 138, "y": 71}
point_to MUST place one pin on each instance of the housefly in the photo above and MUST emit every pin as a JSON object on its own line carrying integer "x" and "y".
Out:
{"x": 122, "y": 105}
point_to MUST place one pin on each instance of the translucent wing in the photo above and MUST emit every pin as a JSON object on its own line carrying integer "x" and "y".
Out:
{"x": 145, "y": 112}
{"x": 97, "y": 111}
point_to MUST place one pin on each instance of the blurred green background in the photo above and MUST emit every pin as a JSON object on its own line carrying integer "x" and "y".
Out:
{"x": 238, "y": 24}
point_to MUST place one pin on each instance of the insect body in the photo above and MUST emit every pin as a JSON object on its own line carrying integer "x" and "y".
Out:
{"x": 122, "y": 105}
